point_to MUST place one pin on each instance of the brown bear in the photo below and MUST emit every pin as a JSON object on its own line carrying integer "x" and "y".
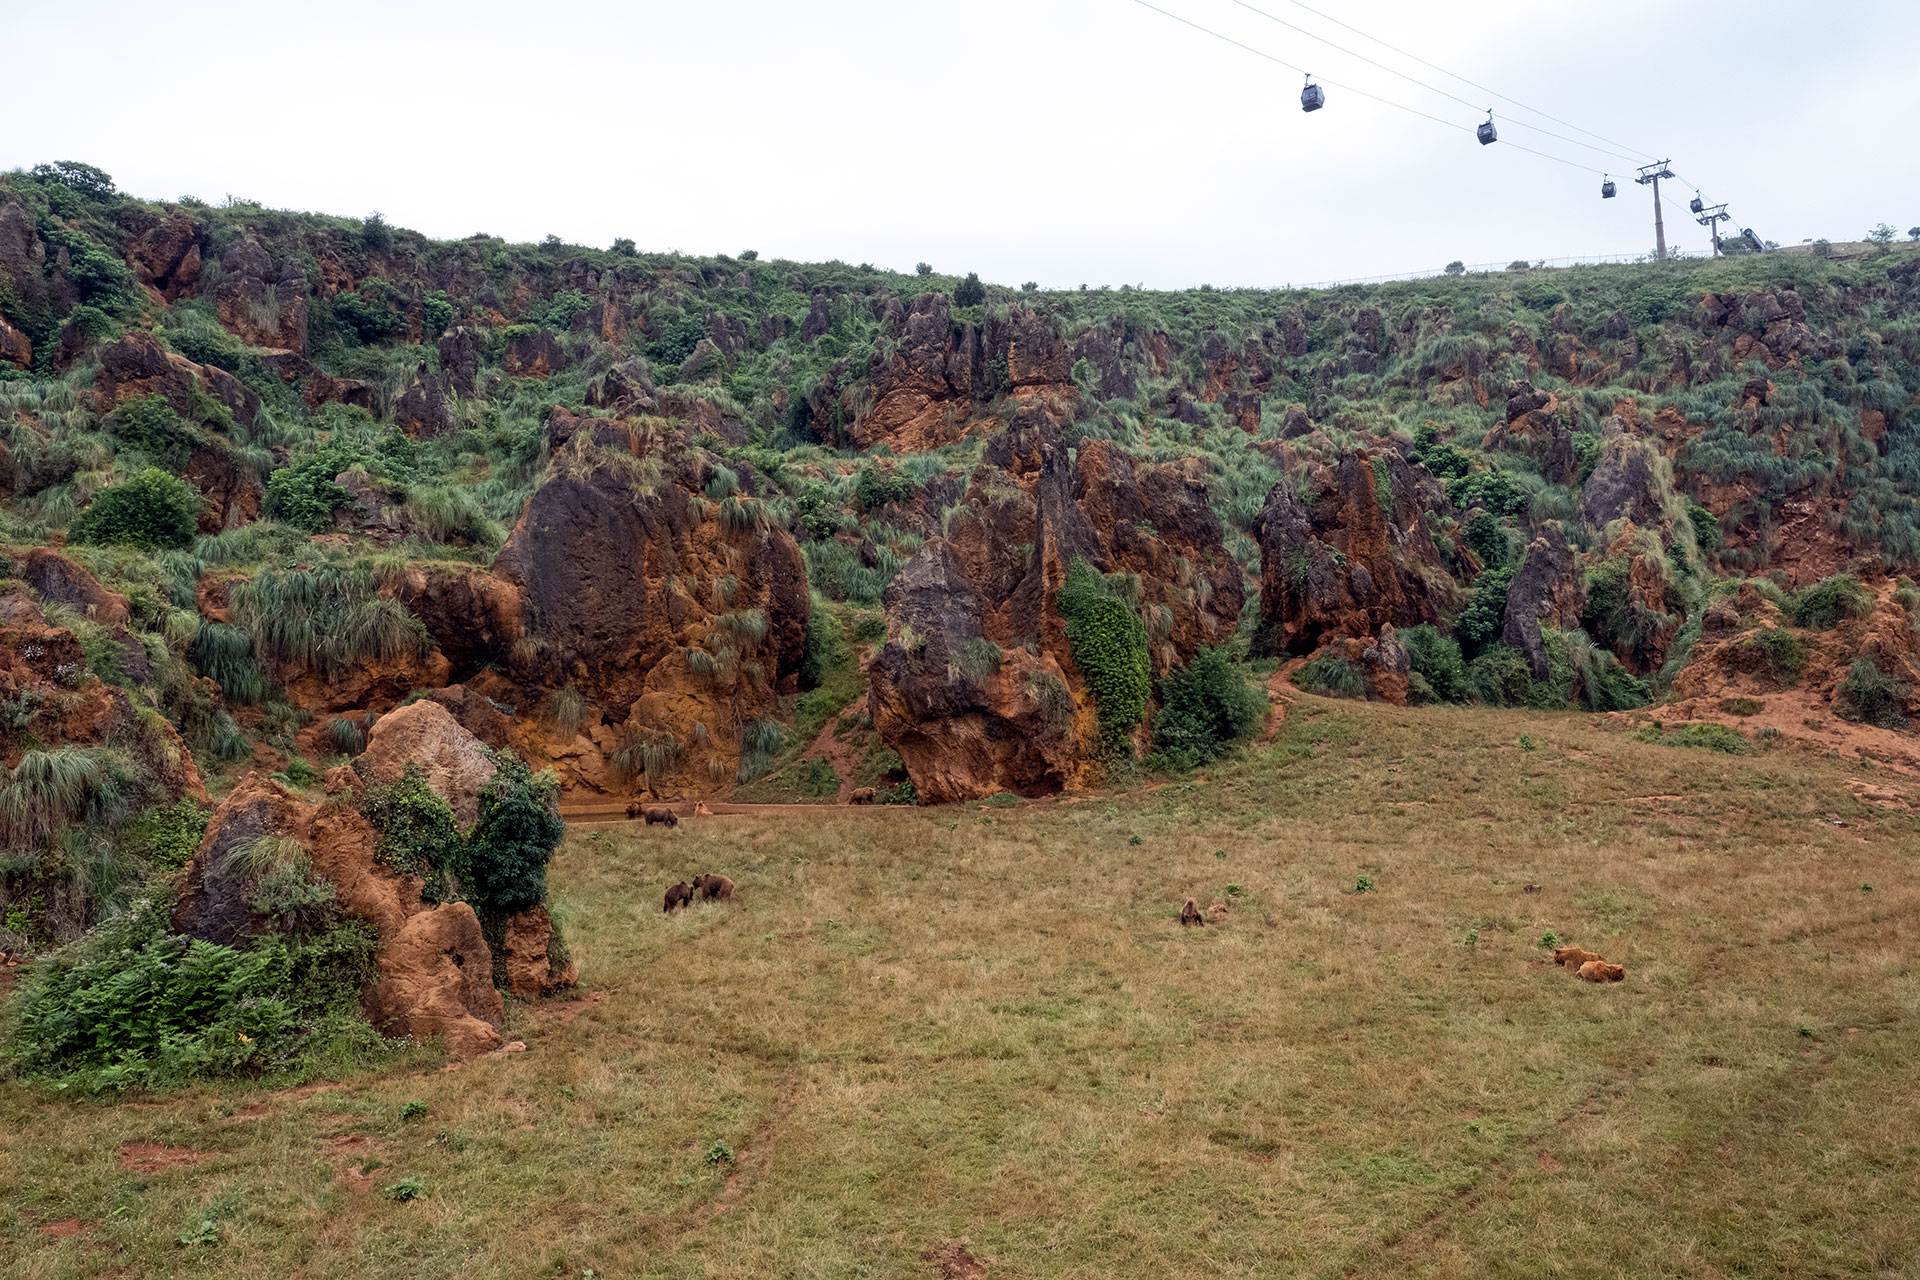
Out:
{"x": 633, "y": 809}
{"x": 662, "y": 814}
{"x": 1217, "y": 910}
{"x": 1190, "y": 914}
{"x": 1598, "y": 970}
{"x": 714, "y": 888}
{"x": 678, "y": 896}
{"x": 861, "y": 795}
{"x": 700, "y": 809}
{"x": 1572, "y": 957}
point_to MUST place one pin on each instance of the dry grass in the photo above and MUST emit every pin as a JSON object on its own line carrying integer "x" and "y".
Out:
{"x": 987, "y": 1023}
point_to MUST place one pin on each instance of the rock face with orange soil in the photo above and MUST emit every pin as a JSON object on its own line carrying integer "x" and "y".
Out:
{"x": 676, "y": 617}
{"x": 1354, "y": 555}
{"x": 61, "y": 581}
{"x": 266, "y": 306}
{"x": 138, "y": 365}
{"x": 435, "y": 969}
{"x": 1754, "y": 671}
{"x": 165, "y": 257}
{"x": 923, "y": 395}
{"x": 976, "y": 687}
{"x": 44, "y": 678}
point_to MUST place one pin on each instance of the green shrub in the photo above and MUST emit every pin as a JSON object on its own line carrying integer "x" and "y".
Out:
{"x": 151, "y": 510}
{"x": 1782, "y": 654}
{"x": 1822, "y": 606}
{"x": 821, "y": 780}
{"x": 167, "y": 836}
{"x": 519, "y": 828}
{"x": 1500, "y": 677}
{"x": 436, "y": 313}
{"x": 130, "y": 1005}
{"x": 877, "y": 486}
{"x": 1110, "y": 647}
{"x": 150, "y": 425}
{"x": 303, "y": 493}
{"x": 1481, "y": 621}
{"x": 1492, "y": 489}
{"x": 1706, "y": 529}
{"x": 418, "y": 833}
{"x": 1700, "y": 737}
{"x": 969, "y": 292}
{"x": 826, "y": 650}
{"x": 1437, "y": 660}
{"x": 1205, "y": 707}
{"x": 1333, "y": 676}
{"x": 1871, "y": 696}
{"x": 1487, "y": 539}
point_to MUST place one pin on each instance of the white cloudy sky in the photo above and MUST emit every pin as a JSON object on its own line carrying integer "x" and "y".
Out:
{"x": 1064, "y": 141}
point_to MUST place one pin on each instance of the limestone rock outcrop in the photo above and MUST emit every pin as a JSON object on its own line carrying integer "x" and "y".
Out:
{"x": 425, "y": 735}
{"x": 976, "y": 687}
{"x": 1355, "y": 554}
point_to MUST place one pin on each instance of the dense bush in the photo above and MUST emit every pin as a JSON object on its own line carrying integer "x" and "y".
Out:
{"x": 150, "y": 425}
{"x": 1487, "y": 539}
{"x": 1437, "y": 661}
{"x": 1480, "y": 623}
{"x": 1110, "y": 647}
{"x": 166, "y": 836}
{"x": 418, "y": 833}
{"x": 878, "y": 486}
{"x": 1781, "y": 654}
{"x": 131, "y": 1005}
{"x": 151, "y": 510}
{"x": 1205, "y": 707}
{"x": 969, "y": 292}
{"x": 1492, "y": 489}
{"x": 1871, "y": 696}
{"x": 1700, "y": 737}
{"x": 1825, "y": 604}
{"x": 303, "y": 493}
{"x": 519, "y": 828}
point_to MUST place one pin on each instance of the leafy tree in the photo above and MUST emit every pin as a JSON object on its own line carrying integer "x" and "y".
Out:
{"x": 93, "y": 183}
{"x": 969, "y": 292}
{"x": 151, "y": 510}
{"x": 1493, "y": 489}
{"x": 375, "y": 234}
{"x": 1205, "y": 707}
{"x": 624, "y": 248}
{"x": 923, "y": 268}
{"x": 1437, "y": 661}
{"x": 508, "y": 851}
{"x": 1882, "y": 235}
{"x": 1486, "y": 539}
{"x": 817, "y": 511}
{"x": 1456, "y": 268}
{"x": 1479, "y": 624}
{"x": 370, "y": 312}
{"x": 436, "y": 312}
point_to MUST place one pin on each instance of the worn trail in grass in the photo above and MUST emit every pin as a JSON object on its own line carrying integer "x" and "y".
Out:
{"x": 986, "y": 1022}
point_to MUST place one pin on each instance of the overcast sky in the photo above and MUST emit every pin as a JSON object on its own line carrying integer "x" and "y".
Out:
{"x": 1064, "y": 141}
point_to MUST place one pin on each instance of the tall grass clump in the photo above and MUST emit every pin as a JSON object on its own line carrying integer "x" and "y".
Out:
{"x": 1825, "y": 604}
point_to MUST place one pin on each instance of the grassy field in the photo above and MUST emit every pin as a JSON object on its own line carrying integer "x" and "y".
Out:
{"x": 986, "y": 1023}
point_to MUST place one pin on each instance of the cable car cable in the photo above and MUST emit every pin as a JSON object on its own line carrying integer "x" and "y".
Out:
{"x": 1261, "y": 53}
{"x": 1462, "y": 79}
{"x": 1521, "y": 124}
{"x": 1388, "y": 102}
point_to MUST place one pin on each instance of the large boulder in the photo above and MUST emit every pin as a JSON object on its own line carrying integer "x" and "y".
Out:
{"x": 165, "y": 257}
{"x": 61, "y": 581}
{"x": 1626, "y": 483}
{"x": 1544, "y": 592}
{"x": 262, "y": 305}
{"x": 137, "y": 365}
{"x": 1353, "y": 555}
{"x": 425, "y": 735}
{"x": 435, "y": 971}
